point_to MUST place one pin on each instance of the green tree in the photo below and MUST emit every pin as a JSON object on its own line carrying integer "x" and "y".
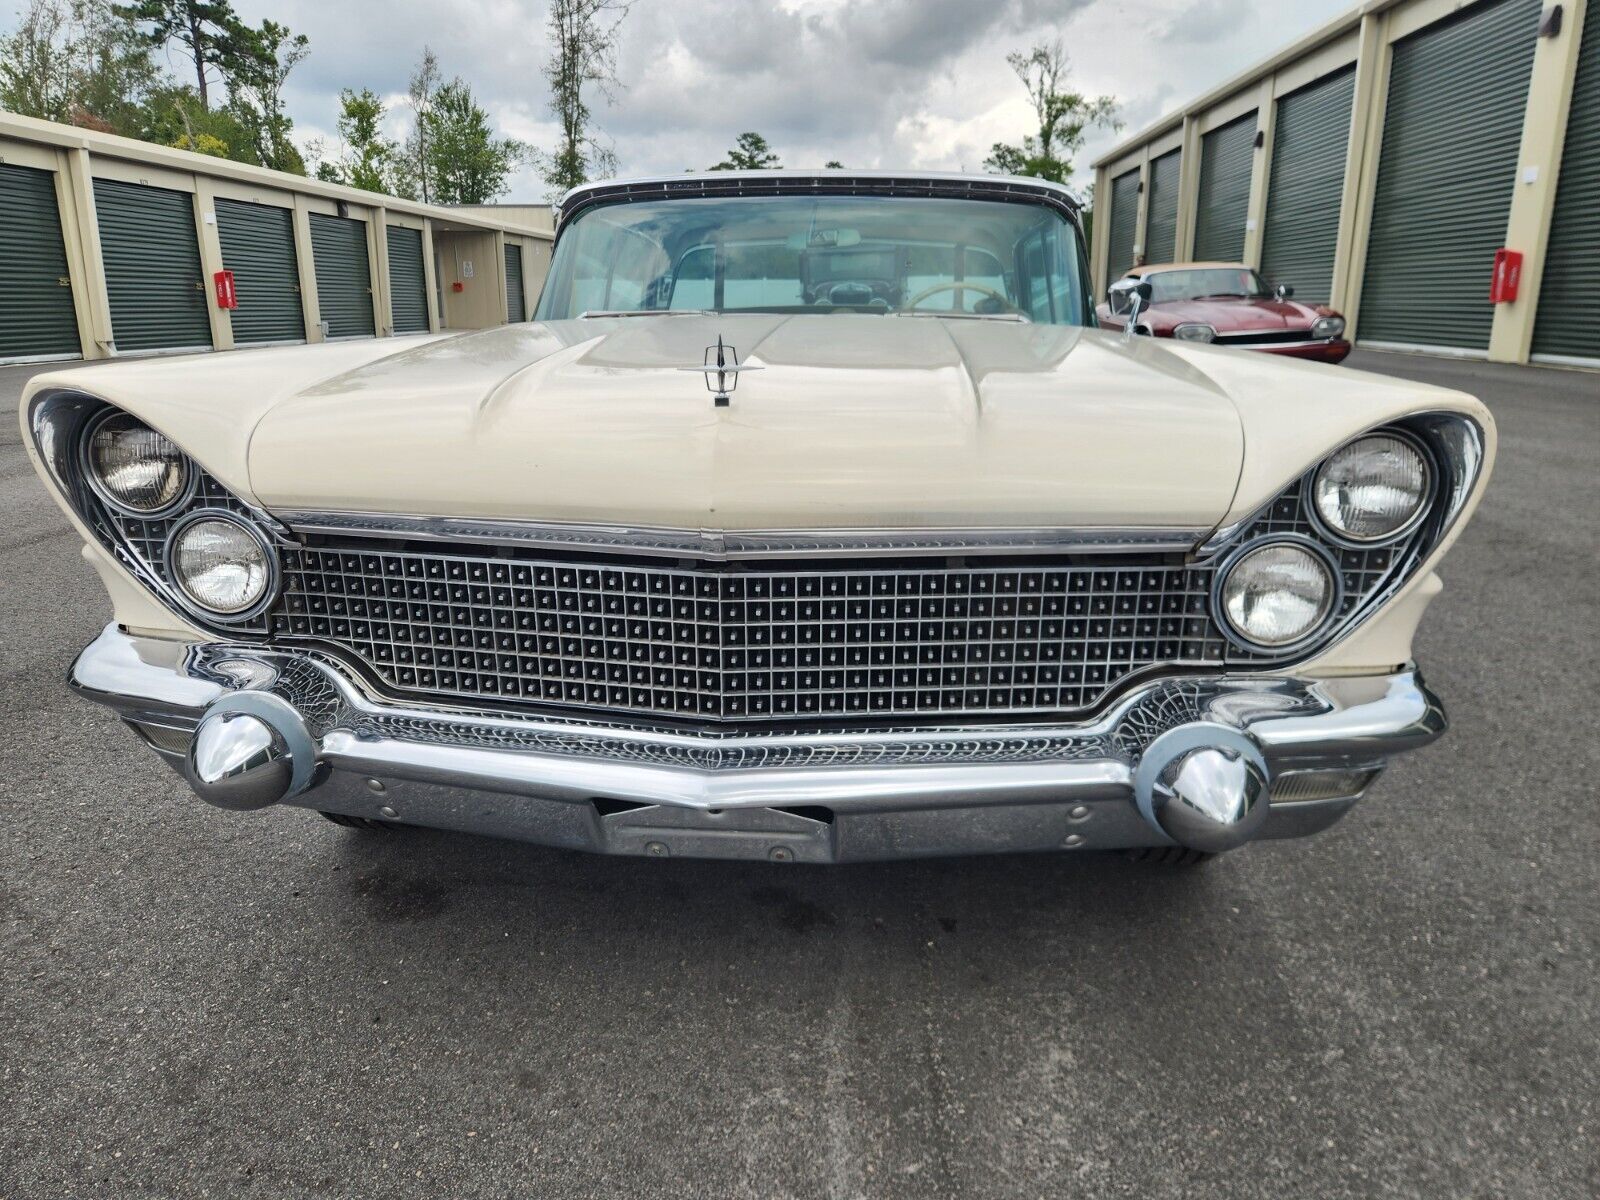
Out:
{"x": 256, "y": 99}
{"x": 424, "y": 86}
{"x": 583, "y": 35}
{"x": 207, "y": 32}
{"x": 1064, "y": 117}
{"x": 173, "y": 116}
{"x": 76, "y": 61}
{"x": 750, "y": 153}
{"x": 466, "y": 162}
{"x": 833, "y": 164}
{"x": 367, "y": 159}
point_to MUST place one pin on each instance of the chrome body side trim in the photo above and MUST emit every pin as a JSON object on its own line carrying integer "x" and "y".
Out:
{"x": 806, "y": 796}
{"x": 719, "y": 545}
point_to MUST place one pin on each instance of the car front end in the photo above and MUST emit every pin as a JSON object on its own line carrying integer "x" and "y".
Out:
{"x": 918, "y": 588}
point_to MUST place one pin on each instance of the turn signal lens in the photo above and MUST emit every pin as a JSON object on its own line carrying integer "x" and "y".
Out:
{"x": 1373, "y": 489}
{"x": 220, "y": 565}
{"x": 136, "y": 468}
{"x": 1277, "y": 595}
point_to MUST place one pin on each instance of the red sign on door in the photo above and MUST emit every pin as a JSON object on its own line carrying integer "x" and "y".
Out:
{"x": 1507, "y": 275}
{"x": 226, "y": 296}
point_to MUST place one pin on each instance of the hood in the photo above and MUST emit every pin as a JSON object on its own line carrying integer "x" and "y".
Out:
{"x": 849, "y": 422}
{"x": 1235, "y": 316}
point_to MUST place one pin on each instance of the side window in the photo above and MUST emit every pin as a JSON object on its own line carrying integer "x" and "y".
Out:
{"x": 1035, "y": 279}
{"x": 1064, "y": 293}
{"x": 692, "y": 286}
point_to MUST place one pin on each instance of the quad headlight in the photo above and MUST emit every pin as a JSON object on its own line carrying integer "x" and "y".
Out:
{"x": 1195, "y": 333}
{"x": 134, "y": 468}
{"x": 1375, "y": 488}
{"x": 1327, "y": 327}
{"x": 220, "y": 564}
{"x": 1278, "y": 594}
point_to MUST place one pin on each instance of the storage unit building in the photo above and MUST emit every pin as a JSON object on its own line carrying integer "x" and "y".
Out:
{"x": 1384, "y": 164}
{"x": 112, "y": 246}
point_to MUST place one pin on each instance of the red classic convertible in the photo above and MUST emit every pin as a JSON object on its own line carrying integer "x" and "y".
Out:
{"x": 1226, "y": 304}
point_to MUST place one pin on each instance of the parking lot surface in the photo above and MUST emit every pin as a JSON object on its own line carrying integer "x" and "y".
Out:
{"x": 195, "y": 1003}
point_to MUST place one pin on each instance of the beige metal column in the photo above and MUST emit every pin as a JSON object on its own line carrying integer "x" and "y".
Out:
{"x": 500, "y": 275}
{"x": 1544, "y": 132}
{"x": 1255, "y": 222}
{"x": 80, "y": 230}
{"x": 1188, "y": 190}
{"x": 1100, "y": 237}
{"x": 1367, "y": 110}
{"x": 1144, "y": 206}
{"x": 378, "y": 243}
{"x": 430, "y": 277}
{"x": 305, "y": 260}
{"x": 205, "y": 225}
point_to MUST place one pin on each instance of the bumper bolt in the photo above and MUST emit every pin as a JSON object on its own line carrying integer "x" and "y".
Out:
{"x": 1072, "y": 841}
{"x": 656, "y": 849}
{"x": 1078, "y": 812}
{"x": 376, "y": 786}
{"x": 388, "y": 811}
{"x": 781, "y": 854}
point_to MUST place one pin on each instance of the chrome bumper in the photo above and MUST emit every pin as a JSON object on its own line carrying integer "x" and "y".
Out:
{"x": 250, "y": 726}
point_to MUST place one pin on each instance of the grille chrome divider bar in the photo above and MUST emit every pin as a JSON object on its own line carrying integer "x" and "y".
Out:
{"x": 725, "y": 545}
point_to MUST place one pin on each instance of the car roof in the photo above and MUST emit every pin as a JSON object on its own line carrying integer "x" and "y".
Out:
{"x": 835, "y": 177}
{"x": 1154, "y": 268}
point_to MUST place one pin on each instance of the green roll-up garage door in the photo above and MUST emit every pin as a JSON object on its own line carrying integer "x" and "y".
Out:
{"x": 1449, "y": 164}
{"x": 1568, "y": 325}
{"x": 516, "y": 309}
{"x": 1124, "y": 224}
{"x": 152, "y": 264}
{"x": 1161, "y": 226}
{"x": 408, "y": 285}
{"x": 1306, "y": 185}
{"x": 1226, "y": 157}
{"x": 344, "y": 275}
{"x": 37, "y": 319}
{"x": 258, "y": 247}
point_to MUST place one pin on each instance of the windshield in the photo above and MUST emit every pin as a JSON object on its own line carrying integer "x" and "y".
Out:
{"x": 1206, "y": 283}
{"x": 820, "y": 254}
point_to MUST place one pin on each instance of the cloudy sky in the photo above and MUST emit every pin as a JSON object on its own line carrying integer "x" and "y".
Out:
{"x": 872, "y": 83}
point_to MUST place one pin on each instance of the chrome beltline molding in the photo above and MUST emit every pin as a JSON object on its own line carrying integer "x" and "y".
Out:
{"x": 753, "y": 544}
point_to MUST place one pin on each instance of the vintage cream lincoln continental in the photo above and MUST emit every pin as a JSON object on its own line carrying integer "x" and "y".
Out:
{"x": 812, "y": 520}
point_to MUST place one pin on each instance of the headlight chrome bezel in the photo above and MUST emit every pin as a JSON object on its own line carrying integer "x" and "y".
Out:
{"x": 180, "y": 592}
{"x": 92, "y": 479}
{"x": 1328, "y": 328}
{"x": 1331, "y": 611}
{"x": 1198, "y": 331}
{"x": 1348, "y": 541}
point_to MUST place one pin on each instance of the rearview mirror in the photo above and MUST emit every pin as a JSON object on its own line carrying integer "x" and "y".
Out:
{"x": 1283, "y": 291}
{"x": 823, "y": 238}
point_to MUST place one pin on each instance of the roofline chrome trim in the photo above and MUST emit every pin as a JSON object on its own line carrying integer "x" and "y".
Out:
{"x": 753, "y": 544}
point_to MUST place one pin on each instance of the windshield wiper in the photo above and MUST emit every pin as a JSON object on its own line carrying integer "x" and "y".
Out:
{"x": 1017, "y": 318}
{"x": 646, "y": 312}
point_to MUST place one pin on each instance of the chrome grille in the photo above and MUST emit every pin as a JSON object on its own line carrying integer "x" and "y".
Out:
{"x": 747, "y": 644}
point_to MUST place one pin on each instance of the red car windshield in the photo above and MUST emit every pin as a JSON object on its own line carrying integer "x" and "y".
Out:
{"x": 1207, "y": 283}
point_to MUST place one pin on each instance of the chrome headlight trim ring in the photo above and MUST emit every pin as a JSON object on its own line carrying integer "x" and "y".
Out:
{"x": 1332, "y": 622}
{"x": 180, "y": 594}
{"x": 102, "y": 493}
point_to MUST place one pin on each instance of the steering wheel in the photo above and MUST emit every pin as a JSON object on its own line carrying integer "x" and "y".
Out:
{"x": 957, "y": 285}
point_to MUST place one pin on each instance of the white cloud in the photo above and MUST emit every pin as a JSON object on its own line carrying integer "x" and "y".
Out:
{"x": 873, "y": 83}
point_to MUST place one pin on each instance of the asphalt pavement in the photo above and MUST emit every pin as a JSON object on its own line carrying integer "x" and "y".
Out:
{"x": 196, "y": 1003}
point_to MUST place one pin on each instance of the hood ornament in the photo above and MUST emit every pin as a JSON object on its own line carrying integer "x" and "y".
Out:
{"x": 721, "y": 361}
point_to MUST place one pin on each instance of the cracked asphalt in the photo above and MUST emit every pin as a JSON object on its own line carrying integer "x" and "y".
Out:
{"x": 195, "y": 1003}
